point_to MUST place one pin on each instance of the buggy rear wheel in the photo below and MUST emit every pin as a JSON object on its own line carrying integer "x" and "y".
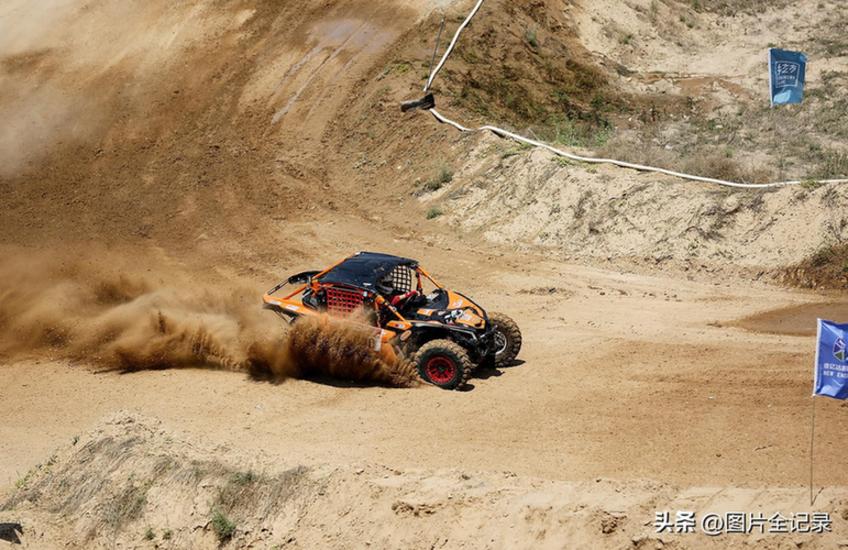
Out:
{"x": 443, "y": 363}
{"x": 507, "y": 339}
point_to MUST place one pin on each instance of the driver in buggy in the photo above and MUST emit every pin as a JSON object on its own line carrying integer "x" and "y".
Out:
{"x": 397, "y": 288}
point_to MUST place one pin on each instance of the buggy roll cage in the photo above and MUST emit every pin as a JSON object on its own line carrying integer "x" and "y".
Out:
{"x": 305, "y": 280}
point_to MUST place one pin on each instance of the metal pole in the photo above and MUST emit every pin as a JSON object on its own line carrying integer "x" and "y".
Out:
{"x": 435, "y": 51}
{"x": 775, "y": 132}
{"x": 812, "y": 447}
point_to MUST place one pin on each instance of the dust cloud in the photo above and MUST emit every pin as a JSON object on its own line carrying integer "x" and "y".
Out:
{"x": 76, "y": 311}
{"x": 38, "y": 105}
{"x": 67, "y": 65}
{"x": 343, "y": 349}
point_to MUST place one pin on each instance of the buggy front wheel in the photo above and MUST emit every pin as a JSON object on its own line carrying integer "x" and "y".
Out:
{"x": 507, "y": 339}
{"x": 443, "y": 363}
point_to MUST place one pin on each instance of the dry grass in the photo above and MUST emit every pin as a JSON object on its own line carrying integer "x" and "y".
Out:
{"x": 240, "y": 489}
{"x": 127, "y": 505}
{"x": 720, "y": 166}
{"x": 826, "y": 269}
{"x": 247, "y": 494}
{"x": 731, "y": 7}
{"x": 833, "y": 164}
{"x": 444, "y": 177}
{"x": 705, "y": 160}
{"x": 549, "y": 87}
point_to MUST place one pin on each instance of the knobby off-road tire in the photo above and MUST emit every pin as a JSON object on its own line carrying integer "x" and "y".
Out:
{"x": 444, "y": 364}
{"x": 507, "y": 339}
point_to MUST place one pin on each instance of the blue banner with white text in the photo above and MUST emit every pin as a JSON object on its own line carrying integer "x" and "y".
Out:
{"x": 831, "y": 377}
{"x": 787, "y": 74}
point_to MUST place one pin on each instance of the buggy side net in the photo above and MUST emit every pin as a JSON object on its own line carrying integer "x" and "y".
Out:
{"x": 343, "y": 301}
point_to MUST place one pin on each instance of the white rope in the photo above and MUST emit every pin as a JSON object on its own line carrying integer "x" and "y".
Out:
{"x": 591, "y": 160}
{"x": 452, "y": 44}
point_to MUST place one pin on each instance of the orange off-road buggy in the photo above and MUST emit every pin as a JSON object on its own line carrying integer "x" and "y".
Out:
{"x": 446, "y": 334}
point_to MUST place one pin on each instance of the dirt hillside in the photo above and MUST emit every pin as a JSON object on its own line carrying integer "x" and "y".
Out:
{"x": 206, "y": 130}
{"x": 531, "y": 199}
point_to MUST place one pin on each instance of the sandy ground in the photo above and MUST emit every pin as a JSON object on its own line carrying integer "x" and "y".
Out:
{"x": 635, "y": 394}
{"x": 275, "y": 503}
{"x": 623, "y": 376}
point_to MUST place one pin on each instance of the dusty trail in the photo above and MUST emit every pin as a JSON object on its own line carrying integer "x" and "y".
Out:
{"x": 641, "y": 382}
{"x": 625, "y": 376}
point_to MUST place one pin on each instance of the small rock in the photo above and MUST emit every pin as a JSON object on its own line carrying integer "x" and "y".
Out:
{"x": 609, "y": 523}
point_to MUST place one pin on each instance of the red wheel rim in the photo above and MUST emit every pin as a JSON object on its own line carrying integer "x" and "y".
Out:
{"x": 440, "y": 370}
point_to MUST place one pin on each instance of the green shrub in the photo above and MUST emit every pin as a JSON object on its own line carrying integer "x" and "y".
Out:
{"x": 530, "y": 37}
{"x": 222, "y": 525}
{"x": 444, "y": 177}
{"x": 244, "y": 478}
{"x": 434, "y": 213}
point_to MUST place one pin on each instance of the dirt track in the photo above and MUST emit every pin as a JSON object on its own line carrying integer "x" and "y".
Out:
{"x": 282, "y": 149}
{"x": 623, "y": 376}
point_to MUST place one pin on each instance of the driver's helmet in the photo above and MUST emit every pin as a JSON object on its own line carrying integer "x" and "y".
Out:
{"x": 385, "y": 286}
{"x": 398, "y": 281}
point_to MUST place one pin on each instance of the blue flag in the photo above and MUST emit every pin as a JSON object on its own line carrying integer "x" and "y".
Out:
{"x": 831, "y": 378}
{"x": 787, "y": 73}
